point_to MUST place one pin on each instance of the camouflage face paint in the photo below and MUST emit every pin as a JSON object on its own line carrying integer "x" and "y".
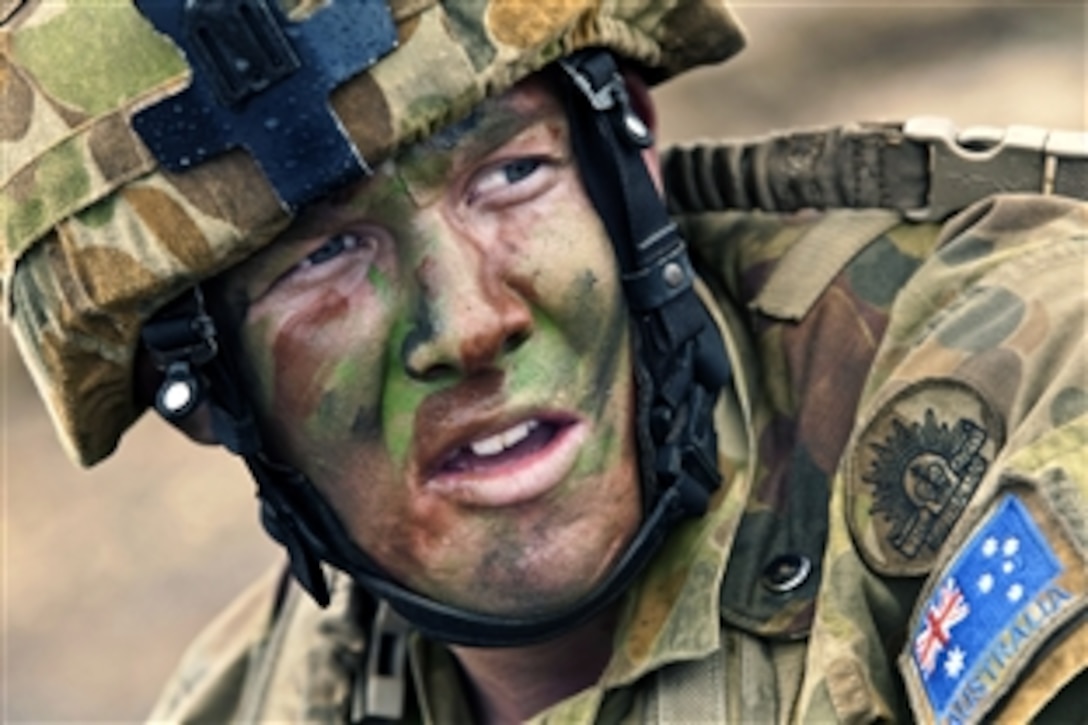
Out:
{"x": 444, "y": 352}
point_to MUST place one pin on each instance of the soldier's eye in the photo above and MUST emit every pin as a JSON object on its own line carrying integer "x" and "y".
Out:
{"x": 334, "y": 247}
{"x": 512, "y": 181}
{"x": 520, "y": 169}
{"x": 325, "y": 259}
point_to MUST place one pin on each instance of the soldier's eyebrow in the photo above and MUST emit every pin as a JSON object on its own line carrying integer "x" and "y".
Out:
{"x": 425, "y": 169}
{"x": 488, "y": 127}
{"x": 451, "y": 136}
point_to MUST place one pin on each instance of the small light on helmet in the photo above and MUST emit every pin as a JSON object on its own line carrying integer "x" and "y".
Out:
{"x": 179, "y": 393}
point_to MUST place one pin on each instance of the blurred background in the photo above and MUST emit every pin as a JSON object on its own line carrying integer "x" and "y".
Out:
{"x": 107, "y": 574}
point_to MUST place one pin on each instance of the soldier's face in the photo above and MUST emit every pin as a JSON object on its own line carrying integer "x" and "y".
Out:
{"x": 444, "y": 352}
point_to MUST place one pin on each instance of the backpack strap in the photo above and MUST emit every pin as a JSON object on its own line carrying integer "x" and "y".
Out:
{"x": 924, "y": 168}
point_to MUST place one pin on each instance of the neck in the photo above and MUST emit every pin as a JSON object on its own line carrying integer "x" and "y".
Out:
{"x": 514, "y": 683}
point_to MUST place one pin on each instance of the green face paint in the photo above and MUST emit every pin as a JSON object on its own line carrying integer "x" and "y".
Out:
{"x": 444, "y": 352}
{"x": 381, "y": 284}
{"x": 400, "y": 401}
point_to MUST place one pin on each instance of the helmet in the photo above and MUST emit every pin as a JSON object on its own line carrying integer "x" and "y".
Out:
{"x": 186, "y": 135}
{"x": 98, "y": 233}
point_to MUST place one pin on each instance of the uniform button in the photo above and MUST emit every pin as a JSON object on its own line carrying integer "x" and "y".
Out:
{"x": 787, "y": 572}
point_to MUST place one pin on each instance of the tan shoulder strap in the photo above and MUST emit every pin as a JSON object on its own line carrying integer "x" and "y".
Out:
{"x": 924, "y": 168}
{"x": 809, "y": 266}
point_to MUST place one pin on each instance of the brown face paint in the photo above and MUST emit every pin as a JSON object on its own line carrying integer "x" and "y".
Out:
{"x": 293, "y": 363}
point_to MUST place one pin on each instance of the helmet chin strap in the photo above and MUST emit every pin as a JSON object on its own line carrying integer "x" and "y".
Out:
{"x": 681, "y": 366}
{"x": 681, "y": 356}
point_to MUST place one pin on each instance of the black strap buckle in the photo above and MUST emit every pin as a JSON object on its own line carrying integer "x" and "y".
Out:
{"x": 603, "y": 86}
{"x": 603, "y": 90}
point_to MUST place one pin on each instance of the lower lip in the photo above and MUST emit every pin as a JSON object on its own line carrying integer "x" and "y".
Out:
{"x": 516, "y": 481}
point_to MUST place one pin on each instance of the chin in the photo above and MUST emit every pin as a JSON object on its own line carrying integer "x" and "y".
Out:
{"x": 519, "y": 584}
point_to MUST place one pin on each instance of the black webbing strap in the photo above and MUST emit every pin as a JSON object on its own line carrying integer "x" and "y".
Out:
{"x": 925, "y": 168}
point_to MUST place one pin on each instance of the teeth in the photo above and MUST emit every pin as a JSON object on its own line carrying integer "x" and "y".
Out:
{"x": 496, "y": 444}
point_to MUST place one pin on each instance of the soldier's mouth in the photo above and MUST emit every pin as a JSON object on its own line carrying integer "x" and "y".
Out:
{"x": 516, "y": 441}
{"x": 509, "y": 466}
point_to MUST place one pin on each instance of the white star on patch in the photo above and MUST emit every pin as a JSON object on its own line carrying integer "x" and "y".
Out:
{"x": 986, "y": 583}
{"x": 1015, "y": 593}
{"x": 989, "y": 547}
{"x": 953, "y": 665}
{"x": 1011, "y": 546}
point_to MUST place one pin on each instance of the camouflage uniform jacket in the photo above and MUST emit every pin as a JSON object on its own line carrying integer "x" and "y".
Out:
{"x": 902, "y": 528}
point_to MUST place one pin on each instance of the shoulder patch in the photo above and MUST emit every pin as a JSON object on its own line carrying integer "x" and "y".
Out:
{"x": 914, "y": 469}
{"x": 1016, "y": 580}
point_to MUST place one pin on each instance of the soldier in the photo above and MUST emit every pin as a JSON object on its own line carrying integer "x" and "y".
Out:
{"x": 535, "y": 446}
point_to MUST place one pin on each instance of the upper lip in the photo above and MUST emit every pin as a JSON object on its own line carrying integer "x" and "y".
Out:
{"x": 474, "y": 409}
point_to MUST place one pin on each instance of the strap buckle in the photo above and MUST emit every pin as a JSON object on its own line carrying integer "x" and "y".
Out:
{"x": 605, "y": 97}
{"x": 969, "y": 165}
{"x": 599, "y": 80}
{"x": 381, "y": 693}
{"x": 1067, "y": 163}
{"x": 183, "y": 331}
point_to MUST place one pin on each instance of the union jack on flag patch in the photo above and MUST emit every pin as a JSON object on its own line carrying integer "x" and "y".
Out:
{"x": 949, "y": 610}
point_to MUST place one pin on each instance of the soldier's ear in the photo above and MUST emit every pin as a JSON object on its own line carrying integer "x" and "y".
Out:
{"x": 197, "y": 425}
{"x": 643, "y": 104}
{"x": 641, "y": 100}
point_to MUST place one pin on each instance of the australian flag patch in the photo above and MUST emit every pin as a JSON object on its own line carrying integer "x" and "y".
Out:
{"x": 981, "y": 619}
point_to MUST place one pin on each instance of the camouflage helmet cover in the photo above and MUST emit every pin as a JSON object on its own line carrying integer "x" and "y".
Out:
{"x": 97, "y": 235}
